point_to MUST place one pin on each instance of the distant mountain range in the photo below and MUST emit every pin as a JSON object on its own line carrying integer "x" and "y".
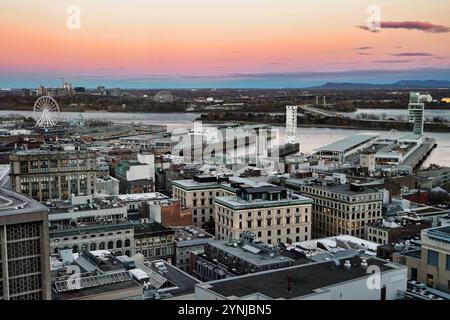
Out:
{"x": 403, "y": 84}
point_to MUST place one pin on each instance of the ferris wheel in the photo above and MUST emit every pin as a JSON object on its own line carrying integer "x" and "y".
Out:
{"x": 45, "y": 112}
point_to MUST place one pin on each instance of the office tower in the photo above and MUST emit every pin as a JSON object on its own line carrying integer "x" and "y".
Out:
{"x": 416, "y": 109}
{"x": 24, "y": 248}
{"x": 53, "y": 175}
{"x": 343, "y": 209}
{"x": 291, "y": 124}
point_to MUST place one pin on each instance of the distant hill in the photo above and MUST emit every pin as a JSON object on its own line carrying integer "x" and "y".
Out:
{"x": 403, "y": 84}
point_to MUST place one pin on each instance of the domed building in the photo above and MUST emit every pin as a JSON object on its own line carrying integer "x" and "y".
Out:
{"x": 163, "y": 97}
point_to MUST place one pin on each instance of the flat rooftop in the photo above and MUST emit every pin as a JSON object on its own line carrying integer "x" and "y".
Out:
{"x": 181, "y": 283}
{"x": 411, "y": 136}
{"x": 439, "y": 234}
{"x": 191, "y": 184}
{"x": 50, "y": 152}
{"x": 304, "y": 279}
{"x": 241, "y": 253}
{"x": 343, "y": 189}
{"x": 237, "y": 203}
{"x": 348, "y": 143}
{"x": 14, "y": 203}
{"x": 93, "y": 228}
{"x": 191, "y": 235}
{"x": 141, "y": 196}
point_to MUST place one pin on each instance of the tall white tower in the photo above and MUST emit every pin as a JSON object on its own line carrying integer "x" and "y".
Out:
{"x": 291, "y": 124}
{"x": 416, "y": 109}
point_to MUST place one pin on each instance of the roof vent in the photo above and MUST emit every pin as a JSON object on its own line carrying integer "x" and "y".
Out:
{"x": 364, "y": 264}
{"x": 347, "y": 265}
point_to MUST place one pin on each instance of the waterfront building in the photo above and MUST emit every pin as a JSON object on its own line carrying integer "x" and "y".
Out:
{"x": 339, "y": 150}
{"x": 416, "y": 109}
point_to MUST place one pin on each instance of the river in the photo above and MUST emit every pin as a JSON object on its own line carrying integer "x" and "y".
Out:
{"x": 309, "y": 138}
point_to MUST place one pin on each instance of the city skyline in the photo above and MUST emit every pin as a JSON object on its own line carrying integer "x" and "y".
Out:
{"x": 204, "y": 44}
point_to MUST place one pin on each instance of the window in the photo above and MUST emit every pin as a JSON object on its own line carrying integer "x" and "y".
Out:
{"x": 433, "y": 258}
{"x": 414, "y": 274}
{"x": 430, "y": 280}
{"x": 448, "y": 263}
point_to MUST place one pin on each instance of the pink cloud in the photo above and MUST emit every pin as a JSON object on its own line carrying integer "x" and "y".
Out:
{"x": 411, "y": 25}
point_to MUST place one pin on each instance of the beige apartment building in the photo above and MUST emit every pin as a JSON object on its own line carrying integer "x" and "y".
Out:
{"x": 342, "y": 209}
{"x": 429, "y": 264}
{"x": 270, "y": 212}
{"x": 199, "y": 193}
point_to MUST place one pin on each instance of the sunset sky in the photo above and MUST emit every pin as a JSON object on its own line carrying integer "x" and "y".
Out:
{"x": 221, "y": 43}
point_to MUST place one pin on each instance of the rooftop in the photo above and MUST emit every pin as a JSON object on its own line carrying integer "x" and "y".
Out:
{"x": 14, "y": 203}
{"x": 348, "y": 143}
{"x": 31, "y": 152}
{"x": 344, "y": 189}
{"x": 141, "y": 196}
{"x": 191, "y": 184}
{"x": 248, "y": 253}
{"x": 304, "y": 279}
{"x": 92, "y": 228}
{"x": 439, "y": 234}
{"x": 237, "y": 203}
{"x": 177, "y": 282}
{"x": 150, "y": 228}
{"x": 191, "y": 235}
